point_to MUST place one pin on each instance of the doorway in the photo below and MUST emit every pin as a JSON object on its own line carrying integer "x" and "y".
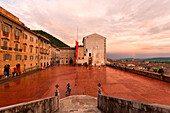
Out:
{"x": 7, "y": 69}
{"x": 90, "y": 61}
{"x": 18, "y": 68}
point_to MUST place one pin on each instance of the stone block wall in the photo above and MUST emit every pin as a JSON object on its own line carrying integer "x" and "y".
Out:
{"x": 110, "y": 104}
{"x": 46, "y": 105}
{"x": 145, "y": 73}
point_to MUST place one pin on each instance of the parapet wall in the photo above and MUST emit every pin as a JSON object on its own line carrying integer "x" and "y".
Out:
{"x": 110, "y": 104}
{"x": 46, "y": 105}
{"x": 145, "y": 73}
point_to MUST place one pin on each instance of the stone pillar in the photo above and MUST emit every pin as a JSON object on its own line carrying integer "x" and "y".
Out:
{"x": 98, "y": 94}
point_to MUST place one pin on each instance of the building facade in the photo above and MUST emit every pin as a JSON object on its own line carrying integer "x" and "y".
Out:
{"x": 67, "y": 55}
{"x": 19, "y": 45}
{"x": 21, "y": 49}
{"x": 93, "y": 51}
{"x": 44, "y": 51}
{"x": 57, "y": 55}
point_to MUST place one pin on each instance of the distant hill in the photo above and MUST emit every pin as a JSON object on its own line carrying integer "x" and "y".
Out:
{"x": 53, "y": 40}
{"x": 158, "y": 59}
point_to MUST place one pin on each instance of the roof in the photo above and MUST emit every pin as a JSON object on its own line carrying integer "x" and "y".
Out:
{"x": 94, "y": 34}
{"x": 43, "y": 37}
{"x": 13, "y": 19}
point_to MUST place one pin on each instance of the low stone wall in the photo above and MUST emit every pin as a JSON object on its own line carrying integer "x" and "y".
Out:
{"x": 46, "y": 105}
{"x": 110, "y": 104}
{"x": 145, "y": 73}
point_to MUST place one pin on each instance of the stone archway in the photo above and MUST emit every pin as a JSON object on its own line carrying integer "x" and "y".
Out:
{"x": 18, "y": 69}
{"x": 7, "y": 69}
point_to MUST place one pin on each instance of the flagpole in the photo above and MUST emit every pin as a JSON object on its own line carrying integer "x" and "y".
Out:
{"x": 78, "y": 50}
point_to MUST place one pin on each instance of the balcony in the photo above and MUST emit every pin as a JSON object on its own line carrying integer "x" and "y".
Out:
{"x": 16, "y": 49}
{"x": 6, "y": 48}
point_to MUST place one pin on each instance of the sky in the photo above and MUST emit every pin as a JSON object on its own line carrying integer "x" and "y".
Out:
{"x": 133, "y": 28}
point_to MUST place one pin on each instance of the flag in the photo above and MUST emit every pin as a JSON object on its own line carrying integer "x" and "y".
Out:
{"x": 76, "y": 51}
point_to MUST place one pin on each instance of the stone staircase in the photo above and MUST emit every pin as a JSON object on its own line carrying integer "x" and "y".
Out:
{"x": 78, "y": 104}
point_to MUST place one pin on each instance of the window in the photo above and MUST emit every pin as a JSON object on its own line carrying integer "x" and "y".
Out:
{"x": 24, "y": 48}
{"x": 36, "y": 64}
{"x": 31, "y": 57}
{"x": 30, "y": 49}
{"x": 5, "y": 30}
{"x": 41, "y": 57}
{"x": 16, "y": 47}
{"x": 5, "y": 43}
{"x": 7, "y": 57}
{"x": 18, "y": 57}
{"x": 66, "y": 61}
{"x": 25, "y": 57}
{"x": 36, "y": 57}
{"x": 17, "y": 34}
{"x": 36, "y": 41}
{"x": 25, "y": 36}
{"x": 31, "y": 39}
{"x": 86, "y": 50}
{"x": 44, "y": 57}
{"x": 89, "y": 54}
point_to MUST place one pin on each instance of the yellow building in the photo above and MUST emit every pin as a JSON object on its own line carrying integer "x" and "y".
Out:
{"x": 67, "y": 55}
{"x": 20, "y": 49}
{"x": 44, "y": 53}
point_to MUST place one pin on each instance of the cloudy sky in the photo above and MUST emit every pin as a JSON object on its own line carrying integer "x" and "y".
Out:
{"x": 134, "y": 28}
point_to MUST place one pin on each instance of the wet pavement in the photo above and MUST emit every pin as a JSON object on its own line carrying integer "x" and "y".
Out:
{"x": 84, "y": 82}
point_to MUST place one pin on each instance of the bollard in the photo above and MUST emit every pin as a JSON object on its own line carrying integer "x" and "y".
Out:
{"x": 56, "y": 92}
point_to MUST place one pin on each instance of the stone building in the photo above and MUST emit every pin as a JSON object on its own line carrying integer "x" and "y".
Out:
{"x": 18, "y": 45}
{"x": 53, "y": 55}
{"x": 44, "y": 51}
{"x": 21, "y": 49}
{"x": 57, "y": 55}
{"x": 67, "y": 55}
{"x": 94, "y": 50}
{"x": 81, "y": 55}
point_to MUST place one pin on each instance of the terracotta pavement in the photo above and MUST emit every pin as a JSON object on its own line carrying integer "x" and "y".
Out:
{"x": 84, "y": 82}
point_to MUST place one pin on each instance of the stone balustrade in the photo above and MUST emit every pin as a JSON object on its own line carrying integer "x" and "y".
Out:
{"x": 109, "y": 104}
{"x": 144, "y": 73}
{"x": 46, "y": 105}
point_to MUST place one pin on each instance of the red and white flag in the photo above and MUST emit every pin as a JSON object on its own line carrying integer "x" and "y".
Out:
{"x": 76, "y": 51}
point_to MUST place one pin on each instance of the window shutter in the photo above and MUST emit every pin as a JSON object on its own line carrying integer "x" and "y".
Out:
{"x": 10, "y": 56}
{"x": 3, "y": 27}
{"x": 4, "y": 56}
{"x": 18, "y": 33}
{"x": 7, "y": 29}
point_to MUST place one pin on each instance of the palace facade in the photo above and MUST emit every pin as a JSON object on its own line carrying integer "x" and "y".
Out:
{"x": 22, "y": 50}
